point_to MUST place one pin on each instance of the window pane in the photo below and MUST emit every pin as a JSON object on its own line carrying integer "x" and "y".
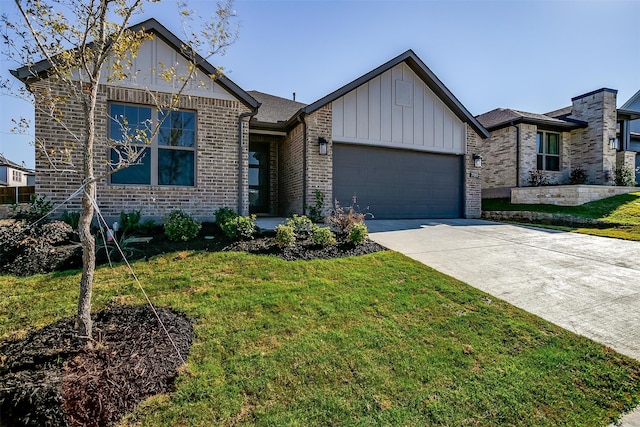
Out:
{"x": 177, "y": 128}
{"x": 130, "y": 119}
{"x": 254, "y": 176}
{"x": 539, "y": 143}
{"x": 553, "y": 143}
{"x": 135, "y": 174}
{"x": 553, "y": 163}
{"x": 539, "y": 164}
{"x": 176, "y": 167}
{"x": 254, "y": 157}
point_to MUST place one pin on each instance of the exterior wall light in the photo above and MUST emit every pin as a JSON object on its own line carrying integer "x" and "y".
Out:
{"x": 477, "y": 160}
{"x": 322, "y": 142}
{"x": 612, "y": 143}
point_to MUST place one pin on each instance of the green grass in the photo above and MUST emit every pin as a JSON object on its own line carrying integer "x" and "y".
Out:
{"x": 373, "y": 340}
{"x": 623, "y": 209}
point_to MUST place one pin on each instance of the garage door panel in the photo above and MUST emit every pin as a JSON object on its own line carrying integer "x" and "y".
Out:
{"x": 398, "y": 183}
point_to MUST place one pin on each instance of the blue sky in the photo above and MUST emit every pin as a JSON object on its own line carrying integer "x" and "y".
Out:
{"x": 531, "y": 55}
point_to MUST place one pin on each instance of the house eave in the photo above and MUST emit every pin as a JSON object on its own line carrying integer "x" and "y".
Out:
{"x": 569, "y": 125}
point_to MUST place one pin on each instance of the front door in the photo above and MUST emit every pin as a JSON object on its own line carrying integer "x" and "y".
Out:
{"x": 259, "y": 177}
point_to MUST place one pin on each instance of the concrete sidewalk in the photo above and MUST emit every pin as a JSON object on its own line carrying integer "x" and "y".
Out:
{"x": 586, "y": 284}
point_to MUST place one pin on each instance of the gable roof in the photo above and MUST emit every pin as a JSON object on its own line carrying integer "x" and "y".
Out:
{"x": 627, "y": 105}
{"x": 274, "y": 109}
{"x": 39, "y": 69}
{"x": 425, "y": 74}
{"x": 6, "y": 162}
{"x": 503, "y": 117}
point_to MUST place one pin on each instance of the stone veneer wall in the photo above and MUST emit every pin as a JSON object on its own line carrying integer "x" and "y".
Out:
{"x": 473, "y": 176}
{"x": 626, "y": 159}
{"x": 499, "y": 159}
{"x": 566, "y": 195}
{"x": 590, "y": 146}
{"x": 216, "y": 158}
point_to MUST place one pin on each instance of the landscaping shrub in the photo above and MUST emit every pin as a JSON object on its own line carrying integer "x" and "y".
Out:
{"x": 578, "y": 176}
{"x": 240, "y": 227}
{"x": 223, "y": 215}
{"x": 300, "y": 224}
{"x": 624, "y": 177}
{"x": 130, "y": 223}
{"x": 285, "y": 236}
{"x": 72, "y": 218}
{"x": 39, "y": 208}
{"x": 316, "y": 212}
{"x": 358, "y": 234}
{"x": 323, "y": 236}
{"x": 342, "y": 219}
{"x": 180, "y": 226}
{"x": 537, "y": 178}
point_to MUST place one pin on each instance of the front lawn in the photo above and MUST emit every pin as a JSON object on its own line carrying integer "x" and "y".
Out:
{"x": 623, "y": 210}
{"x": 372, "y": 340}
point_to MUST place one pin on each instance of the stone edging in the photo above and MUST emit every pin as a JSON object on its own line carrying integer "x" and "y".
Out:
{"x": 546, "y": 218}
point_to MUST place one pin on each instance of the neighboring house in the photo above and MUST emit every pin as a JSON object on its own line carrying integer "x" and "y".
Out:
{"x": 629, "y": 129}
{"x": 396, "y": 139}
{"x": 14, "y": 175}
{"x": 582, "y": 135}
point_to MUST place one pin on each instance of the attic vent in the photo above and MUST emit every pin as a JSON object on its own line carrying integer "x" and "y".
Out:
{"x": 403, "y": 93}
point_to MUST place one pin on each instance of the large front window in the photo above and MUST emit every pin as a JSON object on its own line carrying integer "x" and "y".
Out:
{"x": 548, "y": 150}
{"x": 168, "y": 157}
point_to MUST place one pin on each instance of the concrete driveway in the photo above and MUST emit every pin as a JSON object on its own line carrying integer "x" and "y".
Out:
{"x": 586, "y": 284}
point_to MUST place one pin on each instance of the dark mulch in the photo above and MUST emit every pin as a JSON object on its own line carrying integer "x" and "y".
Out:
{"x": 50, "y": 379}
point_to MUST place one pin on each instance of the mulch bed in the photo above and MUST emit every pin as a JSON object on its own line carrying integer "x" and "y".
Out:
{"x": 50, "y": 379}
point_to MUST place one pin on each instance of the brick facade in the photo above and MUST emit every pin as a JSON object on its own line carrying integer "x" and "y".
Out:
{"x": 473, "y": 177}
{"x": 290, "y": 172}
{"x": 216, "y": 159}
{"x": 319, "y": 167}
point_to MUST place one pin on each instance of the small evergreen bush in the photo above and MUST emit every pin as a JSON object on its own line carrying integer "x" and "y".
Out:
{"x": 316, "y": 211}
{"x": 358, "y": 234}
{"x": 180, "y": 226}
{"x": 39, "y": 208}
{"x": 72, "y": 218}
{"x": 578, "y": 176}
{"x": 223, "y": 215}
{"x": 624, "y": 177}
{"x": 240, "y": 227}
{"x": 323, "y": 236}
{"x": 300, "y": 224}
{"x": 285, "y": 236}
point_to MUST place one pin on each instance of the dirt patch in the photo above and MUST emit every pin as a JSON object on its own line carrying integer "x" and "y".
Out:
{"x": 50, "y": 379}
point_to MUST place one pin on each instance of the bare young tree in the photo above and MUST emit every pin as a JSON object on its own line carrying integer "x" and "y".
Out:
{"x": 70, "y": 48}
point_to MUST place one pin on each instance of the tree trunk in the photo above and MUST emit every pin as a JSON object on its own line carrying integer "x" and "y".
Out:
{"x": 85, "y": 324}
{"x": 84, "y": 223}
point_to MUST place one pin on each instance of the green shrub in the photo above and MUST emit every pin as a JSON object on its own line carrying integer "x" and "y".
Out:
{"x": 72, "y": 218}
{"x": 180, "y": 226}
{"x": 316, "y": 211}
{"x": 358, "y": 233}
{"x": 578, "y": 176}
{"x": 39, "y": 208}
{"x": 624, "y": 177}
{"x": 223, "y": 215}
{"x": 130, "y": 223}
{"x": 323, "y": 236}
{"x": 300, "y": 224}
{"x": 240, "y": 227}
{"x": 285, "y": 236}
{"x": 538, "y": 178}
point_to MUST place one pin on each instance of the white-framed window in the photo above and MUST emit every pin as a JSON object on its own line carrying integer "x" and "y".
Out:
{"x": 170, "y": 158}
{"x": 16, "y": 175}
{"x": 548, "y": 151}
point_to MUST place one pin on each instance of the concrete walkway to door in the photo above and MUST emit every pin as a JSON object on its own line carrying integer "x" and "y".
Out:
{"x": 586, "y": 284}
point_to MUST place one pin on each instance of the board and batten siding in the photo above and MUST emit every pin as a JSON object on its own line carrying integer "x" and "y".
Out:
{"x": 397, "y": 109}
{"x": 153, "y": 57}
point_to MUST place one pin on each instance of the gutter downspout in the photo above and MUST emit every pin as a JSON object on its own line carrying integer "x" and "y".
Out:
{"x": 240, "y": 159}
{"x": 304, "y": 163}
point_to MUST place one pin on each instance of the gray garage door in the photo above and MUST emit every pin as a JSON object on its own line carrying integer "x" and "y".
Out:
{"x": 398, "y": 183}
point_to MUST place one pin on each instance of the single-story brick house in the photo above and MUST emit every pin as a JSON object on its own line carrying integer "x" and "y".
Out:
{"x": 395, "y": 137}
{"x": 586, "y": 134}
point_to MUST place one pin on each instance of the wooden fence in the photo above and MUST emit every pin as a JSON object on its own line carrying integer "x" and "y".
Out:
{"x": 12, "y": 195}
